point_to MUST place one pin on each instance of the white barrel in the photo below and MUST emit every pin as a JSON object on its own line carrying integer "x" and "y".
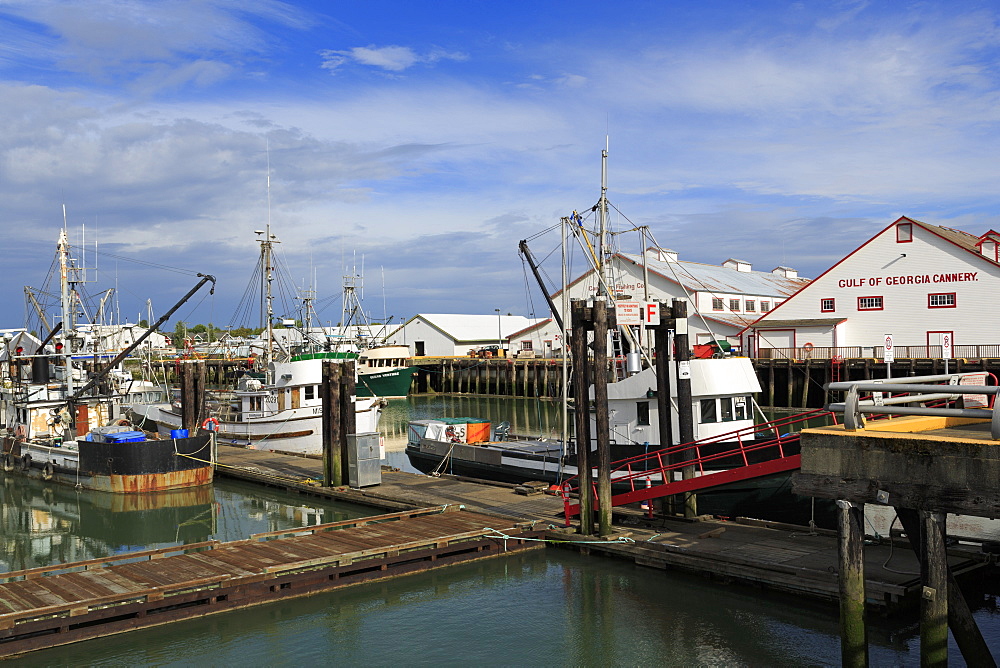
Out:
{"x": 633, "y": 363}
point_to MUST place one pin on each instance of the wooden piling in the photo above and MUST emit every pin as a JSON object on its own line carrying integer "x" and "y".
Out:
{"x": 853, "y": 630}
{"x": 601, "y": 423}
{"x": 934, "y": 601}
{"x": 192, "y": 382}
{"x": 964, "y": 629}
{"x": 581, "y": 372}
{"x": 333, "y": 468}
{"x": 685, "y": 419}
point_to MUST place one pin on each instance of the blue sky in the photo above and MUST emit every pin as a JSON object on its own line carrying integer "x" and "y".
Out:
{"x": 428, "y": 138}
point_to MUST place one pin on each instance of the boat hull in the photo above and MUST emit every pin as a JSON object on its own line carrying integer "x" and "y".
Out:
{"x": 119, "y": 468}
{"x": 391, "y": 384}
{"x": 296, "y": 431}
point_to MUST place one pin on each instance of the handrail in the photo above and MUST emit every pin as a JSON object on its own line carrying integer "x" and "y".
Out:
{"x": 657, "y": 463}
{"x": 915, "y": 391}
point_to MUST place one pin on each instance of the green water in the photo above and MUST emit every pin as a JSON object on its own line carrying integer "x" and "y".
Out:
{"x": 546, "y": 607}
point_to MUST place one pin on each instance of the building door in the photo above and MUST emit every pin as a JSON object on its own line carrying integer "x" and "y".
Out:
{"x": 418, "y": 348}
{"x": 935, "y": 343}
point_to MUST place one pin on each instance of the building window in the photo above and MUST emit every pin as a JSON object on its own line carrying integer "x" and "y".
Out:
{"x": 525, "y": 345}
{"x": 941, "y": 300}
{"x": 642, "y": 412}
{"x": 734, "y": 304}
{"x": 708, "y": 411}
{"x": 765, "y": 307}
{"x": 869, "y": 303}
{"x": 717, "y": 304}
{"x": 904, "y": 233}
{"x": 827, "y": 305}
{"x": 751, "y": 306}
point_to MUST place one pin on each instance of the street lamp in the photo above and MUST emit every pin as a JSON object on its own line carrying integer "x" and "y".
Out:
{"x": 499, "y": 333}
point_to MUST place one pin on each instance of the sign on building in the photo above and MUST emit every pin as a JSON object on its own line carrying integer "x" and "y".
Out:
{"x": 890, "y": 352}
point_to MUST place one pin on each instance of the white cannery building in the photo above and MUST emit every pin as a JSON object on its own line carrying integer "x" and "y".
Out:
{"x": 927, "y": 286}
{"x": 722, "y": 299}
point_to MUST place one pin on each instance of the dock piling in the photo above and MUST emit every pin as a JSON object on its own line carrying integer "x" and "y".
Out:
{"x": 853, "y": 630}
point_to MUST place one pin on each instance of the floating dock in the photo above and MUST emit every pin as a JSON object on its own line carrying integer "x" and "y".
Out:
{"x": 65, "y": 603}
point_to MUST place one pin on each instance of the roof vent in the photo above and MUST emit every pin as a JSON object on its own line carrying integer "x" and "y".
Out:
{"x": 786, "y": 272}
{"x": 661, "y": 254}
{"x": 738, "y": 265}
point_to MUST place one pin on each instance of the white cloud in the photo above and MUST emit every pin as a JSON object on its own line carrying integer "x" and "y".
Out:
{"x": 389, "y": 58}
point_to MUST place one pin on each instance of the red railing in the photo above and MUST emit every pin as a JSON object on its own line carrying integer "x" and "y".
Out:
{"x": 647, "y": 476}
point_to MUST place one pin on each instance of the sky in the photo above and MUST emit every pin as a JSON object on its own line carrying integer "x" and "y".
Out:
{"x": 416, "y": 143}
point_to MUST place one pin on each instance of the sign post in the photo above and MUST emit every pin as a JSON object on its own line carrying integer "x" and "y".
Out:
{"x": 889, "y": 355}
{"x": 946, "y": 350}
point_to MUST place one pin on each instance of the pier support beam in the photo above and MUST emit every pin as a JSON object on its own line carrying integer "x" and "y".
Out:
{"x": 934, "y": 601}
{"x": 685, "y": 419}
{"x": 192, "y": 382}
{"x": 853, "y": 631}
{"x": 601, "y": 420}
{"x": 581, "y": 374}
{"x": 963, "y": 625}
{"x": 338, "y": 419}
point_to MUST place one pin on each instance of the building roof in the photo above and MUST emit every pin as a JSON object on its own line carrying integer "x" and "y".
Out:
{"x": 463, "y": 327}
{"x": 801, "y": 322}
{"x": 698, "y": 277}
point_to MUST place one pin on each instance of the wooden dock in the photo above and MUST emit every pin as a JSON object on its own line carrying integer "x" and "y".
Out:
{"x": 54, "y": 605}
{"x": 776, "y": 556}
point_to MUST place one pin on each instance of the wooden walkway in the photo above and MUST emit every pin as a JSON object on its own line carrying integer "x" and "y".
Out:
{"x": 768, "y": 554}
{"x": 64, "y": 603}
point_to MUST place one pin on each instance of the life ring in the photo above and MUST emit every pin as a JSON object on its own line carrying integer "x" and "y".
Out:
{"x": 210, "y": 424}
{"x": 48, "y": 471}
{"x": 25, "y": 462}
{"x": 807, "y": 347}
{"x": 8, "y": 462}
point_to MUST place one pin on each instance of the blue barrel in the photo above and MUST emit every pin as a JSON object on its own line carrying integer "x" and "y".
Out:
{"x": 178, "y": 433}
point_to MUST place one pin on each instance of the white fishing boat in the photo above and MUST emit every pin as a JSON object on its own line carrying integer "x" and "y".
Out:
{"x": 281, "y": 408}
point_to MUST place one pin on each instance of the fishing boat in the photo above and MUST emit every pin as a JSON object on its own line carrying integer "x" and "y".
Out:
{"x": 280, "y": 407}
{"x": 64, "y": 413}
{"x": 722, "y": 408}
{"x": 464, "y": 446}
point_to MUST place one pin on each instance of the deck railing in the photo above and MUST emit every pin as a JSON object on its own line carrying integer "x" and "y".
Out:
{"x": 807, "y": 352}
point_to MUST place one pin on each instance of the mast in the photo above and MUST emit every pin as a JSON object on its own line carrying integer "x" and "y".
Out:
{"x": 602, "y": 206}
{"x": 66, "y": 304}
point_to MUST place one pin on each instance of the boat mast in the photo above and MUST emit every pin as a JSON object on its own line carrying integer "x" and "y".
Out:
{"x": 267, "y": 274}
{"x": 602, "y": 206}
{"x": 66, "y": 304}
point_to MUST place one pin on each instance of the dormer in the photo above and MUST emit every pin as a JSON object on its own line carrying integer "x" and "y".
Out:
{"x": 989, "y": 245}
{"x": 738, "y": 265}
{"x": 661, "y": 254}
{"x": 785, "y": 272}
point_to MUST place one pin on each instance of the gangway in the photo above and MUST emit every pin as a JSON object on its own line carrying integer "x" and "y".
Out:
{"x": 764, "y": 449}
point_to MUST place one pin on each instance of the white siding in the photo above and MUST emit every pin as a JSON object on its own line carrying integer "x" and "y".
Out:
{"x": 903, "y": 275}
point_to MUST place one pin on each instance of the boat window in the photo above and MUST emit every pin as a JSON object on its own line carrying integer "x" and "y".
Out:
{"x": 741, "y": 406}
{"x": 642, "y": 411}
{"x": 726, "y": 406}
{"x": 708, "y": 412}
{"x": 310, "y": 392}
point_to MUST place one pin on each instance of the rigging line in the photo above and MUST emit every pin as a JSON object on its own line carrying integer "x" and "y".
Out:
{"x": 543, "y": 232}
{"x": 188, "y": 272}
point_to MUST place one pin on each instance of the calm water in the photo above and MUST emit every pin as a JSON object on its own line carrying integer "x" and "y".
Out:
{"x": 546, "y": 607}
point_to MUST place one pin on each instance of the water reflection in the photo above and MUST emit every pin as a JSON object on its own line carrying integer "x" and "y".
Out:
{"x": 43, "y": 524}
